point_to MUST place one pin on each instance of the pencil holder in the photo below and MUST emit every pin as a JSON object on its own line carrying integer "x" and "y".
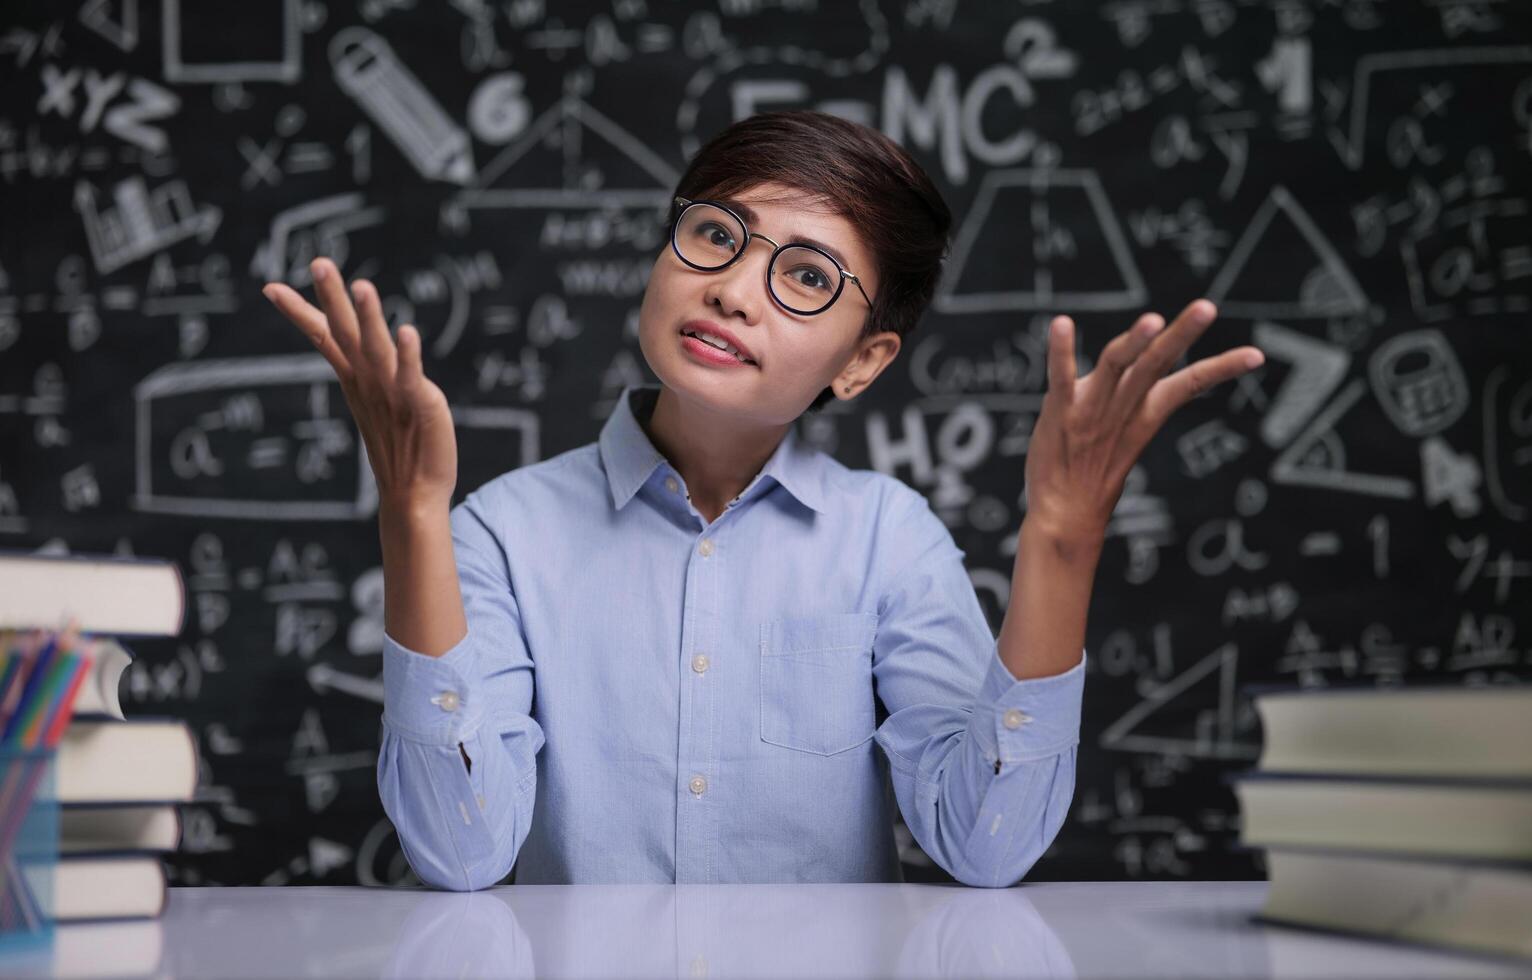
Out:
{"x": 29, "y": 847}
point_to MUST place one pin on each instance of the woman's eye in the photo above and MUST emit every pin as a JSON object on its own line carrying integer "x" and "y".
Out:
{"x": 812, "y": 278}
{"x": 717, "y": 235}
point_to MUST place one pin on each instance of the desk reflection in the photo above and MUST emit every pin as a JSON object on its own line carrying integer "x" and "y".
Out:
{"x": 460, "y": 934}
{"x": 1062, "y": 929}
{"x": 978, "y": 932}
{"x": 722, "y": 930}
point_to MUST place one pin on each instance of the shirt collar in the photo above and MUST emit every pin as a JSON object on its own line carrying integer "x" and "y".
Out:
{"x": 630, "y": 458}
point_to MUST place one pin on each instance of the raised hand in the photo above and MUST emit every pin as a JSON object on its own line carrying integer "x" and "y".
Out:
{"x": 404, "y": 418}
{"x": 1091, "y": 430}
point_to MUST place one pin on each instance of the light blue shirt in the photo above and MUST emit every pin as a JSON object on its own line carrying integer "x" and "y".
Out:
{"x": 647, "y": 697}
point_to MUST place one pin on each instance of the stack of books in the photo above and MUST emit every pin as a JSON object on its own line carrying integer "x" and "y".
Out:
{"x": 1403, "y": 813}
{"x": 117, "y": 779}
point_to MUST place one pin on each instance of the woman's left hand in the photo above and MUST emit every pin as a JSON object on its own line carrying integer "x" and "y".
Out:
{"x": 1091, "y": 430}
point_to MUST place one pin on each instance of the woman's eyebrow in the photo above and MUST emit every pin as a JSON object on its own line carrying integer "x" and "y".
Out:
{"x": 750, "y": 215}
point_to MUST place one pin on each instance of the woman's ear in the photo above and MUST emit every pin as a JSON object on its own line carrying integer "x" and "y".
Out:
{"x": 873, "y": 355}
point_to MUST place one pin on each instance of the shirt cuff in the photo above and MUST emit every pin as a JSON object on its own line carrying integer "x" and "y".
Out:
{"x": 1023, "y": 720}
{"x": 428, "y": 699}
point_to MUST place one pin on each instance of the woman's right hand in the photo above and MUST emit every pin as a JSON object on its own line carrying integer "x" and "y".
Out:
{"x": 404, "y": 418}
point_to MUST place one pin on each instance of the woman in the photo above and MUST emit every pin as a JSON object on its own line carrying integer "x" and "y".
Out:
{"x": 697, "y": 651}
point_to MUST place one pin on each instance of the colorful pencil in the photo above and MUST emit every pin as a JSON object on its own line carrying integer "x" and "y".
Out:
{"x": 12, "y": 669}
{"x": 53, "y": 728}
{"x": 25, "y": 655}
{"x": 42, "y": 672}
{"x": 48, "y": 700}
{"x": 35, "y": 680}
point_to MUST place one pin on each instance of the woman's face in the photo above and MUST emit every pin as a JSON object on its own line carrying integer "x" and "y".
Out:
{"x": 796, "y": 356}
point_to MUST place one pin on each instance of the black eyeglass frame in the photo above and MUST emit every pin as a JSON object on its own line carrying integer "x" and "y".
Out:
{"x": 777, "y": 249}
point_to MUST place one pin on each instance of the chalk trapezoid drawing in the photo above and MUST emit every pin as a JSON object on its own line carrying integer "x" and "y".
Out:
{"x": 1255, "y": 281}
{"x": 1085, "y": 262}
{"x": 554, "y": 164}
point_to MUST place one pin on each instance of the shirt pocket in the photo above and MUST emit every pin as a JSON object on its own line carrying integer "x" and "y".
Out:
{"x": 816, "y": 682}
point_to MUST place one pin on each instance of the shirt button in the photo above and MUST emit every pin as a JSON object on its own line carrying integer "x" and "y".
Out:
{"x": 1015, "y": 719}
{"x": 706, "y": 547}
{"x": 699, "y": 662}
{"x": 672, "y": 485}
{"x": 698, "y": 785}
{"x": 446, "y": 700}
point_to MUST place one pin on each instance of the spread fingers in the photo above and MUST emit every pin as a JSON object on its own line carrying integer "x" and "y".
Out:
{"x": 337, "y": 307}
{"x": 312, "y": 322}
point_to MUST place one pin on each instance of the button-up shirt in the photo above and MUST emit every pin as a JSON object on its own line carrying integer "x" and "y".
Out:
{"x": 647, "y": 696}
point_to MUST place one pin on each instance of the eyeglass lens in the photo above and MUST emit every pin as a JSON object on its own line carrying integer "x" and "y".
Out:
{"x": 803, "y": 279}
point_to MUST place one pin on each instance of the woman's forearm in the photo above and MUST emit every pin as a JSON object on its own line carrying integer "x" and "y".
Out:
{"x": 1044, "y": 628}
{"x": 422, "y": 600}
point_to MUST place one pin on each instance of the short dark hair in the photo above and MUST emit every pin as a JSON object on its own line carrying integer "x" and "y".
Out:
{"x": 861, "y": 175}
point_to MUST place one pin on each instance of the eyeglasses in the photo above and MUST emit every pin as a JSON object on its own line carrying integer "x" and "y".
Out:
{"x": 803, "y": 279}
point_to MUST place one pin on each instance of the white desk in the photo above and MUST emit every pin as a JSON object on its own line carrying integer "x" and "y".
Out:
{"x": 1117, "y": 929}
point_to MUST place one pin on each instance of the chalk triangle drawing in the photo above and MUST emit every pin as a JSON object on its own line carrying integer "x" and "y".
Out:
{"x": 115, "y": 20}
{"x": 1039, "y": 239}
{"x": 1283, "y": 266}
{"x": 1192, "y": 714}
{"x": 572, "y": 156}
{"x": 1317, "y": 457}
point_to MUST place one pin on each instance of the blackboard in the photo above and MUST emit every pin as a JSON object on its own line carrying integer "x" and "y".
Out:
{"x": 1347, "y": 180}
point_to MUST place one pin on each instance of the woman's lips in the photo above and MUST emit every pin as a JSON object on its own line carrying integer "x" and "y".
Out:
{"x": 711, "y": 354}
{"x": 703, "y": 328}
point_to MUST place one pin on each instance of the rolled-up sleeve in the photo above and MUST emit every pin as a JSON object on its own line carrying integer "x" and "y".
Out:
{"x": 955, "y": 712}
{"x": 462, "y": 823}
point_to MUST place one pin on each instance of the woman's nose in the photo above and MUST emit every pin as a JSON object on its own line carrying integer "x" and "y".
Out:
{"x": 742, "y": 286}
